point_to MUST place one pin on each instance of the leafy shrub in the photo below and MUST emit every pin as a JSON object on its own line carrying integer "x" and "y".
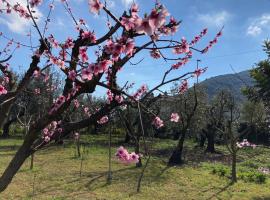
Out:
{"x": 221, "y": 170}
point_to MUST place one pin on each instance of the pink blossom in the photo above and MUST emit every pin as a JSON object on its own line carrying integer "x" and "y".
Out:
{"x": 158, "y": 123}
{"x": 109, "y": 96}
{"x": 69, "y": 43}
{"x": 87, "y": 74}
{"x": 183, "y": 87}
{"x": 155, "y": 53}
{"x": 95, "y": 6}
{"x": 174, "y": 117}
{"x": 90, "y": 36}
{"x": 129, "y": 47}
{"x": 119, "y": 99}
{"x": 83, "y": 54}
{"x": 2, "y": 90}
{"x": 245, "y": 143}
{"x": 47, "y": 139}
{"x": 157, "y": 17}
{"x": 145, "y": 27}
{"x": 125, "y": 157}
{"x": 141, "y": 91}
{"x": 76, "y": 103}
{"x": 103, "y": 120}
{"x": 72, "y": 75}
{"x": 134, "y": 9}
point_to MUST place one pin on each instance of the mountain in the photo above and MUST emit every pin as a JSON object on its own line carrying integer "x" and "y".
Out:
{"x": 231, "y": 82}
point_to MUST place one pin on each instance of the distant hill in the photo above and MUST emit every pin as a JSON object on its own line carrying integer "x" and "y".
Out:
{"x": 231, "y": 82}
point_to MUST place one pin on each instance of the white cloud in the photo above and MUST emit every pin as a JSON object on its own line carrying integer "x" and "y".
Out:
{"x": 14, "y": 22}
{"x": 127, "y": 3}
{"x": 258, "y": 24}
{"x": 254, "y": 30}
{"x": 215, "y": 19}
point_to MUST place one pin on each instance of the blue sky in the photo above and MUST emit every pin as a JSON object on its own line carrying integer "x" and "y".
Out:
{"x": 247, "y": 24}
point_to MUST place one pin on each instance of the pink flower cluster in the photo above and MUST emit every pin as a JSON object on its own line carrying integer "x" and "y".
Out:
{"x": 125, "y": 157}
{"x": 123, "y": 45}
{"x": 95, "y": 69}
{"x": 198, "y": 37}
{"x": 153, "y": 24}
{"x": 174, "y": 117}
{"x": 34, "y": 3}
{"x": 245, "y": 143}
{"x": 103, "y": 120}
{"x": 95, "y": 6}
{"x": 50, "y": 130}
{"x": 183, "y": 48}
{"x": 90, "y": 36}
{"x": 53, "y": 41}
{"x": 183, "y": 87}
{"x": 83, "y": 54}
{"x": 2, "y": 90}
{"x": 58, "y": 103}
{"x": 183, "y": 61}
{"x": 21, "y": 11}
{"x": 212, "y": 42}
{"x": 5, "y": 81}
{"x": 141, "y": 91}
{"x": 199, "y": 72}
{"x": 155, "y": 54}
{"x": 158, "y": 123}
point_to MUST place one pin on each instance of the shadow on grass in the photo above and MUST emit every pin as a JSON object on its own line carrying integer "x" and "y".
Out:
{"x": 9, "y": 148}
{"x": 223, "y": 189}
{"x": 261, "y": 198}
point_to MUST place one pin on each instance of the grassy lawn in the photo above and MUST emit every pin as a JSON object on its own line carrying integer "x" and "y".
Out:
{"x": 56, "y": 174}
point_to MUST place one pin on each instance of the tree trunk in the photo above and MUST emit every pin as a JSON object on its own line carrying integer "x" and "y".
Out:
{"x": 202, "y": 139}
{"x": 4, "y": 112}
{"x": 6, "y": 129}
{"x": 234, "y": 177}
{"x": 22, "y": 154}
{"x": 127, "y": 138}
{"x": 176, "y": 157}
{"x": 137, "y": 151}
{"x": 32, "y": 162}
{"x": 210, "y": 143}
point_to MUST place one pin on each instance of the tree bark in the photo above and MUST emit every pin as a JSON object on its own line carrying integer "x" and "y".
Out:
{"x": 210, "y": 142}
{"x": 176, "y": 157}
{"x": 4, "y": 112}
{"x": 22, "y": 154}
{"x": 234, "y": 177}
{"x": 137, "y": 151}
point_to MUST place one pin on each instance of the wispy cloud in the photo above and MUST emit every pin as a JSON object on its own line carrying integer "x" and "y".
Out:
{"x": 127, "y": 3}
{"x": 214, "y": 19}
{"x": 258, "y": 24}
{"x": 14, "y": 22}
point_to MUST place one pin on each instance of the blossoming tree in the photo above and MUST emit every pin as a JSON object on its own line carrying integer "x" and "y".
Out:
{"x": 83, "y": 75}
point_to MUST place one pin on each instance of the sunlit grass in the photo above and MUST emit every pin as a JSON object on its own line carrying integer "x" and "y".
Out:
{"x": 56, "y": 174}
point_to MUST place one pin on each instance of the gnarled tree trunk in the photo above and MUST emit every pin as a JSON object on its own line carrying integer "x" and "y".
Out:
{"x": 176, "y": 157}
{"x": 22, "y": 154}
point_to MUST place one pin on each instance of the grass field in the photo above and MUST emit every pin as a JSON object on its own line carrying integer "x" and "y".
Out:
{"x": 56, "y": 174}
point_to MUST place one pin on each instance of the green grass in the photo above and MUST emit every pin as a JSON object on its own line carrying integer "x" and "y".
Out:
{"x": 56, "y": 174}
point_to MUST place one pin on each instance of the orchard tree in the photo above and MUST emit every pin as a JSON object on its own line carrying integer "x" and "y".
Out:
{"x": 83, "y": 75}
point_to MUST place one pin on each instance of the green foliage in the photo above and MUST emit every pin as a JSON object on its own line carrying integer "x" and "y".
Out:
{"x": 221, "y": 170}
{"x": 245, "y": 173}
{"x": 252, "y": 176}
